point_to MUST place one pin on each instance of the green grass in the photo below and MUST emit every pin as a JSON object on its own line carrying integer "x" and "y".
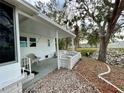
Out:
{"x": 90, "y": 51}
{"x": 117, "y": 49}
{"x": 86, "y": 51}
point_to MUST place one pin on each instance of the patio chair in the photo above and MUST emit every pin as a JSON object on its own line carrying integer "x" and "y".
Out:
{"x": 33, "y": 58}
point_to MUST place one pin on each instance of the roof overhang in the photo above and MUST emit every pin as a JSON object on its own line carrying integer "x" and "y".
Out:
{"x": 32, "y": 11}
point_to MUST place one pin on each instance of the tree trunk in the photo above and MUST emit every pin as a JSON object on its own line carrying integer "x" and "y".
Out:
{"x": 103, "y": 50}
{"x": 76, "y": 31}
{"x": 76, "y": 42}
{"x": 66, "y": 43}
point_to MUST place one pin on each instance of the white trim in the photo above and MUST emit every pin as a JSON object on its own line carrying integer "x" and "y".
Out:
{"x": 7, "y": 83}
{"x": 45, "y": 17}
{"x": 30, "y": 65}
{"x": 55, "y": 24}
{"x": 40, "y": 17}
{"x": 28, "y": 16}
{"x": 28, "y": 7}
{"x": 15, "y": 60}
{"x": 18, "y": 35}
{"x": 25, "y": 3}
{"x": 57, "y": 49}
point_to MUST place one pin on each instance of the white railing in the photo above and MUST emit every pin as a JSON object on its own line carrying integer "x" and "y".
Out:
{"x": 26, "y": 65}
{"x": 27, "y": 71}
{"x": 68, "y": 59}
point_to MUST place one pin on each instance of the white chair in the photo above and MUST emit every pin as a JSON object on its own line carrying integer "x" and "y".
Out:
{"x": 33, "y": 58}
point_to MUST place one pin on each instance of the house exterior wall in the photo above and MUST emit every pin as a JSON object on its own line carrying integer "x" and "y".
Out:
{"x": 10, "y": 73}
{"x": 42, "y": 49}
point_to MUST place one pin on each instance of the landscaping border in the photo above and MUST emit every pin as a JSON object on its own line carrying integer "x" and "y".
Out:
{"x": 109, "y": 70}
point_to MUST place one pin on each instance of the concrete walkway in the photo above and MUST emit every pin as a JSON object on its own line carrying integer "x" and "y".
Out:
{"x": 43, "y": 68}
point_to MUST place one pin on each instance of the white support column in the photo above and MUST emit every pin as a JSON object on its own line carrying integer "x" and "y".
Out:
{"x": 57, "y": 48}
{"x": 29, "y": 63}
{"x": 72, "y": 42}
{"x": 17, "y": 34}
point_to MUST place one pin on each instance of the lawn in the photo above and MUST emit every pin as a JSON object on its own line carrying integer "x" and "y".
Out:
{"x": 117, "y": 49}
{"x": 86, "y": 51}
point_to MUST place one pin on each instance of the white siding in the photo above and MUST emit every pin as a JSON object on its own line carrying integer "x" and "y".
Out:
{"x": 41, "y": 48}
{"x": 9, "y": 73}
{"x": 12, "y": 72}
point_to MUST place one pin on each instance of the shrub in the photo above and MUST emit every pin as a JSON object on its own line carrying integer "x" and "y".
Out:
{"x": 117, "y": 49}
{"x": 86, "y": 51}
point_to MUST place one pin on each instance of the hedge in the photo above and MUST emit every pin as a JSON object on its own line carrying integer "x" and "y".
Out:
{"x": 89, "y": 51}
{"x": 116, "y": 49}
{"x": 86, "y": 51}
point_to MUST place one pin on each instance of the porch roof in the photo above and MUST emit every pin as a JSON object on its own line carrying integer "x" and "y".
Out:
{"x": 34, "y": 13}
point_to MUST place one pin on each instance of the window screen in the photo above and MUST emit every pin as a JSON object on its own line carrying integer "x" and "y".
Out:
{"x": 7, "y": 40}
{"x": 23, "y": 41}
{"x": 32, "y": 42}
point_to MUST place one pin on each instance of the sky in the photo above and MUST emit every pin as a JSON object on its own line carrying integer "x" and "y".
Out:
{"x": 61, "y": 2}
{"x": 45, "y": 0}
{"x": 33, "y": 1}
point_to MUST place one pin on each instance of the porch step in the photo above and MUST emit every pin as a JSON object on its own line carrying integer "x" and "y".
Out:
{"x": 28, "y": 77}
{"x": 33, "y": 72}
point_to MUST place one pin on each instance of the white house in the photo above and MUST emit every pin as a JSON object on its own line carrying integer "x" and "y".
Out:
{"x": 23, "y": 31}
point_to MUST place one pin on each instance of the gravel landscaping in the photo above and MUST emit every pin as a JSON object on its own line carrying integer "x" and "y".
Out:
{"x": 90, "y": 68}
{"x": 82, "y": 79}
{"x": 116, "y": 77}
{"x": 62, "y": 81}
{"x": 115, "y": 58}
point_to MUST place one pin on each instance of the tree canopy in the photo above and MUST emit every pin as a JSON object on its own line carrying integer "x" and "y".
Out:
{"x": 99, "y": 20}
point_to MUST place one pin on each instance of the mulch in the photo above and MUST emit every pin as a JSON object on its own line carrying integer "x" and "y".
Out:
{"x": 62, "y": 81}
{"x": 116, "y": 76}
{"x": 90, "y": 68}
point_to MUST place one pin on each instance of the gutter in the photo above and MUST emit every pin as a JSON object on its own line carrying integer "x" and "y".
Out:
{"x": 109, "y": 70}
{"x": 44, "y": 17}
{"x": 34, "y": 12}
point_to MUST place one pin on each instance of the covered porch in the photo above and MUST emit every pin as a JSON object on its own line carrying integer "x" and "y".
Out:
{"x": 42, "y": 69}
{"x": 39, "y": 36}
{"x": 44, "y": 34}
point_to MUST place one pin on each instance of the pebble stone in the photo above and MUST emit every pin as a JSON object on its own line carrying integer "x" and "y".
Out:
{"x": 62, "y": 81}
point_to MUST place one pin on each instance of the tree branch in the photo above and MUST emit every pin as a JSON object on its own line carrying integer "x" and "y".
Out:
{"x": 91, "y": 14}
{"x": 106, "y": 2}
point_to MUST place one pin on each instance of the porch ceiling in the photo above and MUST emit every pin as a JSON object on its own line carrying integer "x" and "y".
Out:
{"x": 40, "y": 27}
{"x": 47, "y": 26}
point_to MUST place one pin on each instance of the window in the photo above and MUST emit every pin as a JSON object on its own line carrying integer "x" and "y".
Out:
{"x": 48, "y": 42}
{"x": 32, "y": 42}
{"x": 7, "y": 38}
{"x": 23, "y": 41}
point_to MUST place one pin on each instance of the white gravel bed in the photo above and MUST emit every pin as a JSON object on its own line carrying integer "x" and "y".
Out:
{"x": 61, "y": 81}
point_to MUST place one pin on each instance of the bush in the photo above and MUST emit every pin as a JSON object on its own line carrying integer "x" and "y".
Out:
{"x": 117, "y": 49}
{"x": 86, "y": 51}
